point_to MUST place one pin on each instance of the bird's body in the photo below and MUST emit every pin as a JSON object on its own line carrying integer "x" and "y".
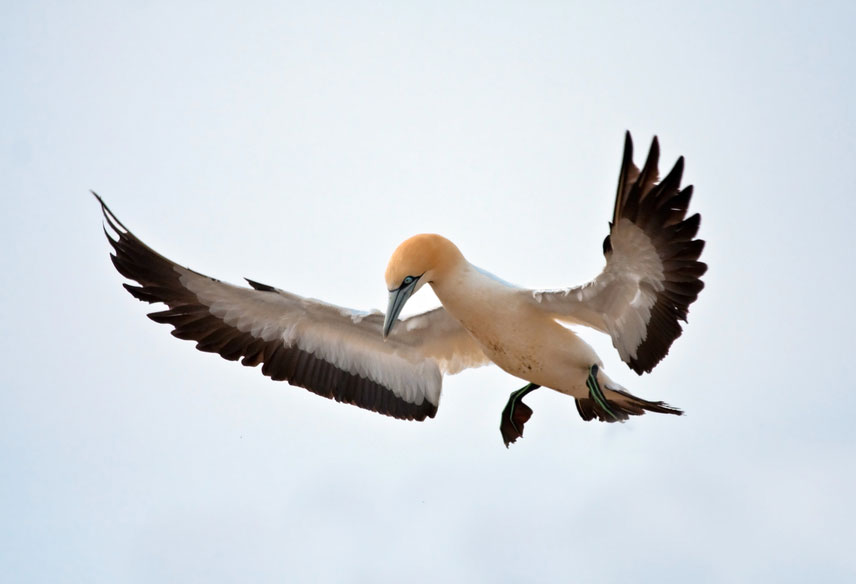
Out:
{"x": 650, "y": 279}
{"x": 513, "y": 329}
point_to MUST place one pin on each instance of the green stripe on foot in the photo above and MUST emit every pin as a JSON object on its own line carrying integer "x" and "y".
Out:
{"x": 517, "y": 396}
{"x": 597, "y": 394}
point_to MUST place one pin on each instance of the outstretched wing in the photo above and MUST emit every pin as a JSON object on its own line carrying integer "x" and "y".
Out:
{"x": 652, "y": 272}
{"x": 332, "y": 351}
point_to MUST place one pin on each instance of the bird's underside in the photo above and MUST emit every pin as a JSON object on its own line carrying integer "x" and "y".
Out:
{"x": 651, "y": 277}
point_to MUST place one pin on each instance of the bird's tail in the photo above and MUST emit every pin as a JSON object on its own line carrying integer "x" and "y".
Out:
{"x": 609, "y": 402}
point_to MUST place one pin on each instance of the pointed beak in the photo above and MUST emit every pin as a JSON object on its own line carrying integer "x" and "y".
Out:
{"x": 397, "y": 300}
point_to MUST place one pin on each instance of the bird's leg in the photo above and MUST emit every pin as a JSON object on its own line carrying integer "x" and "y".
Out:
{"x": 596, "y": 393}
{"x": 515, "y": 414}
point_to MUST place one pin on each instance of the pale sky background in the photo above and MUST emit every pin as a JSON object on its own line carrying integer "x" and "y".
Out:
{"x": 298, "y": 144}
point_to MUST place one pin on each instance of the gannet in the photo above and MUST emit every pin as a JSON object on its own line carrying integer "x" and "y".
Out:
{"x": 395, "y": 366}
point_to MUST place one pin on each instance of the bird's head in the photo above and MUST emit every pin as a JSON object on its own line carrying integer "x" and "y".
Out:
{"x": 420, "y": 259}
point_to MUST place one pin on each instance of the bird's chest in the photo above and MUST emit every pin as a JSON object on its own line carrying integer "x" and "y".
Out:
{"x": 522, "y": 359}
{"x": 506, "y": 337}
{"x": 494, "y": 314}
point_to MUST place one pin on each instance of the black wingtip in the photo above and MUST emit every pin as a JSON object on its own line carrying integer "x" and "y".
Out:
{"x": 672, "y": 181}
{"x": 653, "y": 156}
{"x": 679, "y": 166}
{"x": 260, "y": 286}
{"x": 109, "y": 216}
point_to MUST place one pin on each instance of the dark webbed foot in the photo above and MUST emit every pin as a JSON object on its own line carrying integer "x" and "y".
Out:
{"x": 596, "y": 394}
{"x": 515, "y": 414}
{"x": 619, "y": 406}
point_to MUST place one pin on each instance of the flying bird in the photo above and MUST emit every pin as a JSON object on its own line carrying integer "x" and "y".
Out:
{"x": 395, "y": 366}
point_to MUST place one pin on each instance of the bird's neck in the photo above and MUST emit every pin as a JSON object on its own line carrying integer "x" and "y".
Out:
{"x": 459, "y": 284}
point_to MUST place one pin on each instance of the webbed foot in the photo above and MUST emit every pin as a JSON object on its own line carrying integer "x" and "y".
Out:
{"x": 596, "y": 394}
{"x": 515, "y": 414}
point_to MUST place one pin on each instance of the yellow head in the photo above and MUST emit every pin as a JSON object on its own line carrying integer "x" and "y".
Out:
{"x": 420, "y": 259}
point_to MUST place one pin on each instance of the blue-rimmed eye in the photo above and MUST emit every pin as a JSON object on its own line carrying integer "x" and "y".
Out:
{"x": 408, "y": 280}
